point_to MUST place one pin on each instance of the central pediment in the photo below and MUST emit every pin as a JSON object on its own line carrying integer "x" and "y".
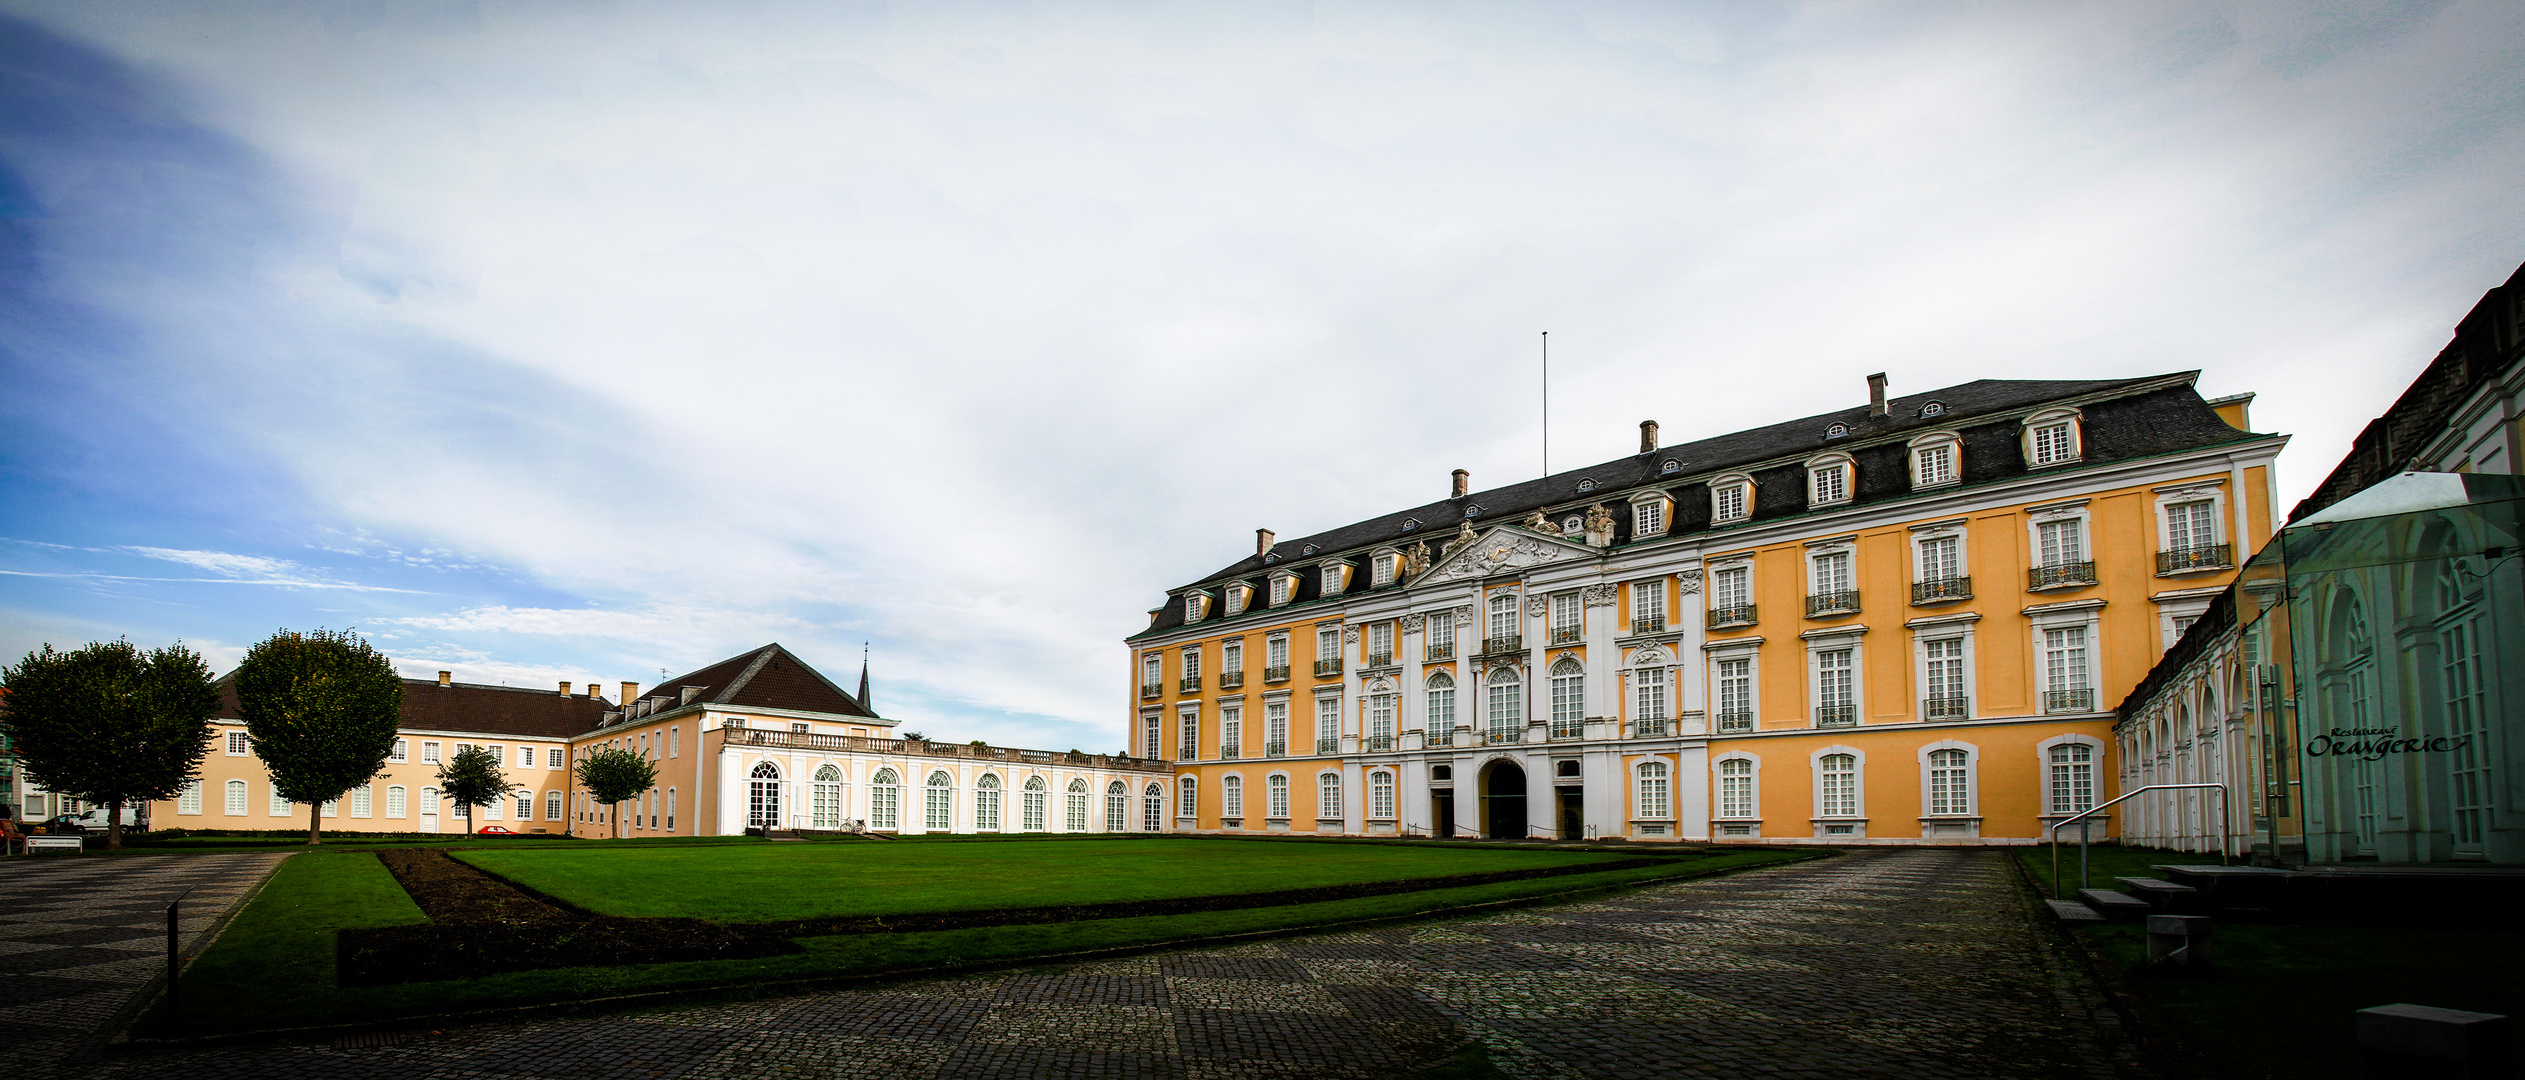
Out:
{"x": 1503, "y": 549}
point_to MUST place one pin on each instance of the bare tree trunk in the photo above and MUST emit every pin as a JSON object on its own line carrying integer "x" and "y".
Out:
{"x": 114, "y": 824}
{"x": 315, "y": 823}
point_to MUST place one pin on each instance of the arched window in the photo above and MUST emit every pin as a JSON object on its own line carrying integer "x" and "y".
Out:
{"x": 2072, "y": 777}
{"x": 1074, "y": 818}
{"x": 885, "y": 800}
{"x": 396, "y": 798}
{"x": 1950, "y": 782}
{"x": 1937, "y": 459}
{"x": 1735, "y": 788}
{"x": 1232, "y": 796}
{"x": 1187, "y": 797}
{"x": 762, "y": 797}
{"x": 938, "y": 810}
{"x": 364, "y": 804}
{"x": 1656, "y": 794}
{"x": 1569, "y": 698}
{"x": 1117, "y": 807}
{"x": 236, "y": 799}
{"x": 1153, "y": 808}
{"x": 986, "y": 803}
{"x": 1328, "y": 795}
{"x": 1838, "y": 777}
{"x": 1507, "y": 705}
{"x": 552, "y": 804}
{"x": 827, "y": 803}
{"x": 1276, "y": 796}
{"x": 1439, "y": 720}
{"x": 429, "y": 805}
{"x": 1829, "y": 480}
{"x": 1036, "y": 794}
{"x": 670, "y": 809}
{"x": 1381, "y": 796}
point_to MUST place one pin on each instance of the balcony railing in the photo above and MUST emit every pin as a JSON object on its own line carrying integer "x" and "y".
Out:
{"x": 1325, "y": 668}
{"x": 1276, "y": 674}
{"x": 2060, "y": 701}
{"x": 800, "y": 740}
{"x": 1835, "y": 602}
{"x": 1275, "y": 749}
{"x": 1569, "y": 729}
{"x": 1649, "y": 624}
{"x": 1230, "y": 680}
{"x": 1442, "y": 650}
{"x": 1189, "y": 684}
{"x": 1735, "y": 720}
{"x": 2060, "y": 574}
{"x": 1442, "y": 737}
{"x": 1649, "y": 727}
{"x": 1230, "y": 751}
{"x": 1563, "y": 635}
{"x": 1941, "y": 590}
{"x": 2196, "y": 557}
{"x": 1187, "y": 752}
{"x": 1150, "y": 689}
{"x": 1506, "y": 735}
{"x": 1733, "y": 615}
{"x": 1378, "y": 744}
{"x": 1328, "y": 746}
{"x": 1509, "y": 644}
{"x": 1946, "y": 707}
{"x": 1383, "y": 659}
{"x": 1836, "y": 715}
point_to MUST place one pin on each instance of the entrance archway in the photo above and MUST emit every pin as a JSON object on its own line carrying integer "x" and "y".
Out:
{"x": 1504, "y": 801}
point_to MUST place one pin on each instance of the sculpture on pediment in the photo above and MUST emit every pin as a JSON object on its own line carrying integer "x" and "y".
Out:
{"x": 1599, "y": 526}
{"x": 1463, "y": 536}
{"x": 1416, "y": 559}
{"x": 1538, "y": 523}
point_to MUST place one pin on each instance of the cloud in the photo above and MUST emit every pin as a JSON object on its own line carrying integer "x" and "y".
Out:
{"x": 225, "y": 563}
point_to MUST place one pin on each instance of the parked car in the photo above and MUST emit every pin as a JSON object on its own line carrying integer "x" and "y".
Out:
{"x": 59, "y": 825}
{"x": 96, "y": 820}
{"x": 494, "y": 830}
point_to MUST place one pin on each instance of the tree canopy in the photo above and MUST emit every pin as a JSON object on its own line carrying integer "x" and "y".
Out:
{"x": 473, "y": 777}
{"x": 614, "y": 775}
{"x": 322, "y": 708}
{"x": 111, "y": 724}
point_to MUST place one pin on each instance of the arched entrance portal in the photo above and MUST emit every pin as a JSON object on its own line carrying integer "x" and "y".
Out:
{"x": 1504, "y": 801}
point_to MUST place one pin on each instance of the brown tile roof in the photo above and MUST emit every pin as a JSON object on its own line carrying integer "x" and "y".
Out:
{"x": 770, "y": 677}
{"x": 514, "y": 711}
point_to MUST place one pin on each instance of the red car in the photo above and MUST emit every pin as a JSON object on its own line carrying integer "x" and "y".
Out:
{"x": 493, "y": 830}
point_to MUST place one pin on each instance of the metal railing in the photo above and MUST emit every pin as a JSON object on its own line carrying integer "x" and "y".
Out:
{"x": 1649, "y": 624}
{"x": 2196, "y": 557}
{"x": 1509, "y": 644}
{"x": 1942, "y": 589}
{"x": 1836, "y": 715}
{"x": 1383, "y": 659}
{"x": 1834, "y": 602}
{"x": 1189, "y": 684}
{"x": 1441, "y": 650}
{"x": 2226, "y": 834}
{"x": 1230, "y": 680}
{"x": 1230, "y": 751}
{"x": 1735, "y": 720}
{"x": 1946, "y": 706}
{"x": 795, "y": 740}
{"x": 2059, "y": 574}
{"x": 1276, "y": 674}
{"x": 1327, "y": 667}
{"x": 1506, "y": 735}
{"x": 1563, "y": 635}
{"x": 1649, "y": 727}
{"x": 1722, "y": 618}
{"x": 2060, "y": 701}
{"x": 1378, "y": 744}
{"x": 1438, "y": 738}
{"x": 1151, "y": 689}
{"x": 1187, "y": 752}
{"x": 1328, "y": 746}
{"x": 1569, "y": 729}
{"x": 1275, "y": 749}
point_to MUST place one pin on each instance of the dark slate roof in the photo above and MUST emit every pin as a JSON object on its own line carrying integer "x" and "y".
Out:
{"x": 770, "y": 677}
{"x": 2159, "y": 414}
{"x": 515, "y": 711}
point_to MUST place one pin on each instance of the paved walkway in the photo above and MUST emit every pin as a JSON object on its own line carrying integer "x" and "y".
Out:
{"x": 80, "y": 934}
{"x": 1881, "y": 963}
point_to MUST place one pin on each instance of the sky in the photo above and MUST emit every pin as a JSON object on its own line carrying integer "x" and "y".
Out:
{"x": 598, "y": 341}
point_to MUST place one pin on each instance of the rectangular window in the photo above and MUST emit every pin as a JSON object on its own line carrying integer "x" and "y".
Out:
{"x": 1655, "y": 797}
{"x": 938, "y": 809}
{"x": 1280, "y": 589}
{"x": 1833, "y": 703}
{"x": 1651, "y": 685}
{"x": 2052, "y": 444}
{"x": 1943, "y": 665}
{"x": 2063, "y": 542}
{"x": 1735, "y": 695}
{"x": 236, "y": 802}
{"x": 237, "y": 744}
{"x": 499, "y": 756}
{"x": 1149, "y": 725}
{"x": 1732, "y": 587}
{"x": 1327, "y": 725}
{"x": 2072, "y": 778}
{"x": 395, "y": 801}
{"x": 402, "y": 751}
{"x": 1232, "y": 797}
{"x": 1275, "y": 728}
{"x": 1507, "y": 706}
{"x": 1735, "y": 788}
{"x": 1381, "y": 643}
{"x": 1380, "y": 722}
{"x": 1152, "y": 672}
{"x": 1188, "y": 743}
{"x": 1328, "y": 645}
{"x": 1278, "y": 802}
{"x": 429, "y": 752}
{"x": 1440, "y": 722}
{"x": 1727, "y": 503}
{"x": 1332, "y": 580}
{"x": 1231, "y": 731}
{"x": 362, "y": 804}
{"x": 1384, "y": 569}
{"x": 525, "y": 757}
{"x": 1949, "y": 779}
{"x": 1940, "y": 558}
{"x": 1442, "y": 630}
{"x": 189, "y": 801}
{"x": 2065, "y": 658}
{"x": 1936, "y": 464}
{"x": 1828, "y": 484}
{"x": 1832, "y": 572}
{"x": 280, "y": 807}
{"x": 1235, "y": 600}
{"x": 2190, "y": 525}
{"x": 1648, "y": 517}
{"x": 1648, "y": 607}
{"x": 1381, "y": 796}
{"x": 1276, "y": 652}
{"x": 1232, "y": 658}
{"x": 1192, "y": 663}
{"x": 1074, "y": 810}
{"x": 1838, "y": 784}
{"x": 552, "y": 807}
{"x": 1565, "y": 610}
{"x": 553, "y": 758}
{"x": 1503, "y": 617}
{"x": 1328, "y": 795}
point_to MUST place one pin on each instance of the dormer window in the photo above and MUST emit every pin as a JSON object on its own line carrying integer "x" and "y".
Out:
{"x": 1410, "y": 523}
{"x": 1934, "y": 408}
{"x": 1472, "y": 511}
{"x": 1828, "y": 480}
{"x": 1731, "y": 498}
{"x": 2052, "y": 438}
{"x": 1574, "y": 525}
{"x": 1336, "y": 577}
{"x": 1837, "y": 431}
{"x": 1669, "y": 468}
{"x": 1586, "y": 485}
{"x": 1283, "y": 585}
{"x": 1649, "y": 514}
{"x": 1307, "y": 550}
{"x": 1937, "y": 459}
{"x": 1239, "y": 596}
{"x": 1195, "y": 606}
{"x": 1382, "y": 568}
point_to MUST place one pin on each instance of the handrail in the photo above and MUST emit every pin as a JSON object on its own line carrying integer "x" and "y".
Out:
{"x": 2226, "y": 834}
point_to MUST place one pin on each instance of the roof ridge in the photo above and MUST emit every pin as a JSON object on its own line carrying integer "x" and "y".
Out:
{"x": 762, "y": 656}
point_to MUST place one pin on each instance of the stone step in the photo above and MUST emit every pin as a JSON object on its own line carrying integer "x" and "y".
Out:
{"x": 2160, "y": 892}
{"x": 2114, "y": 904}
{"x": 2071, "y": 911}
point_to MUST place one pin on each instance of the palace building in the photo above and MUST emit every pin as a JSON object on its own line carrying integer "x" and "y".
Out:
{"x": 760, "y": 740}
{"x": 1902, "y": 622}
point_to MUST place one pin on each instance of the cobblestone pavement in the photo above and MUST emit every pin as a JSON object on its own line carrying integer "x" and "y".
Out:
{"x": 80, "y": 934}
{"x": 1879, "y": 963}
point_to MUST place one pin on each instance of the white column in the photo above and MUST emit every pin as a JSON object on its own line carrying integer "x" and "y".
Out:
{"x": 1542, "y": 802}
{"x": 1692, "y": 793}
{"x": 731, "y": 817}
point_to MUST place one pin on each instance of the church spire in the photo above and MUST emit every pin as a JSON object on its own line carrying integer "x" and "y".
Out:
{"x": 863, "y": 679}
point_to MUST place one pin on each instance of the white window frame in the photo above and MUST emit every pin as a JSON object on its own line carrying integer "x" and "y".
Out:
{"x": 1731, "y": 581}
{"x": 430, "y": 752}
{"x": 1239, "y": 597}
{"x": 1718, "y": 787}
{"x": 2048, "y": 420}
{"x": 1328, "y": 719}
{"x": 1232, "y": 728}
{"x": 1922, "y": 540}
{"x": 1825, "y": 643}
{"x": 1334, "y": 579}
{"x": 1844, "y": 556}
{"x": 1188, "y": 796}
{"x": 1566, "y": 614}
{"x": 239, "y": 746}
{"x": 1190, "y": 661}
{"x": 1742, "y": 498}
{"x": 1920, "y": 457}
{"x": 1663, "y": 808}
{"x": 234, "y": 796}
{"x": 1836, "y": 472}
{"x": 2087, "y": 615}
{"x": 398, "y": 801}
{"x": 1956, "y": 628}
{"x": 1276, "y": 650}
{"x": 2037, "y": 517}
{"x": 1328, "y": 795}
{"x": 2096, "y": 775}
{"x": 1284, "y": 588}
{"x": 1276, "y": 796}
{"x": 1195, "y": 607}
{"x": 1439, "y": 715}
{"x": 1650, "y": 594}
{"x": 1857, "y": 813}
{"x": 1748, "y": 650}
{"x": 1328, "y": 642}
{"x": 1188, "y": 730}
{"x": 1569, "y": 691}
{"x": 188, "y": 800}
{"x": 1381, "y": 800}
{"x": 1381, "y": 568}
{"x": 1972, "y": 781}
{"x": 1232, "y": 796}
{"x": 1232, "y": 657}
{"x": 1652, "y": 514}
{"x": 1503, "y": 611}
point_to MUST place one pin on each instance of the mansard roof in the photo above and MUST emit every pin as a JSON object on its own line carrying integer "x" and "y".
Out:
{"x": 770, "y": 677}
{"x": 513, "y": 711}
{"x": 2126, "y": 419}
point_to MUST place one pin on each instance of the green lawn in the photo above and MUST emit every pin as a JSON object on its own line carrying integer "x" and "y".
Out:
{"x": 780, "y": 882}
{"x": 274, "y": 967}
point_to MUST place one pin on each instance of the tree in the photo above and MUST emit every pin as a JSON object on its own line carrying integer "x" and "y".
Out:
{"x": 111, "y": 724}
{"x": 473, "y": 778}
{"x": 322, "y": 708}
{"x": 614, "y": 775}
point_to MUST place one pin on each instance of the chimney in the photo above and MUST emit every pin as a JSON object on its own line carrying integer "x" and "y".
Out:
{"x": 1876, "y": 394}
{"x": 1262, "y": 541}
{"x": 565, "y": 688}
{"x": 1648, "y": 436}
{"x": 630, "y": 693}
{"x": 1463, "y": 484}
{"x": 444, "y": 677}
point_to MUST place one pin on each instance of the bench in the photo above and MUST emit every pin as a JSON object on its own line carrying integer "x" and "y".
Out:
{"x": 54, "y": 843}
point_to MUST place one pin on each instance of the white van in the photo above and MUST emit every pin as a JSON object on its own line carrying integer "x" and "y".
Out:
{"x": 97, "y": 819}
